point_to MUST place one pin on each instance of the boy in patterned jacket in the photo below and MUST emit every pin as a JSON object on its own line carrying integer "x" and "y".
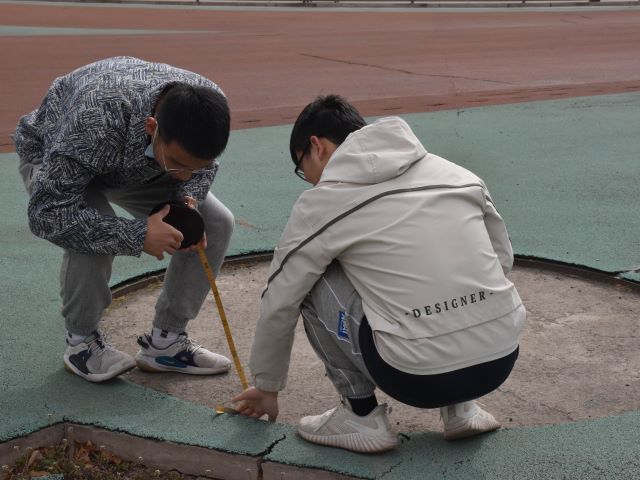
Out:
{"x": 135, "y": 134}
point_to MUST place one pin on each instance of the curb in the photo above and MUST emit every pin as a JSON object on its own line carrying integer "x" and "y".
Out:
{"x": 163, "y": 455}
{"x": 614, "y": 278}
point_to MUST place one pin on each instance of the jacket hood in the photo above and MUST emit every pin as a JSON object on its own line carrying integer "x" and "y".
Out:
{"x": 376, "y": 153}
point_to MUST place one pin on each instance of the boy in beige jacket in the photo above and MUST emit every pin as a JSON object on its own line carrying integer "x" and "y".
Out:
{"x": 396, "y": 259}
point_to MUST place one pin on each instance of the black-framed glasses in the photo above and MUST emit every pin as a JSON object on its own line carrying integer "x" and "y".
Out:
{"x": 297, "y": 169}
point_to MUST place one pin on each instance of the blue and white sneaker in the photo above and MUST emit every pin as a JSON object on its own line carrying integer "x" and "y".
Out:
{"x": 184, "y": 356}
{"x": 96, "y": 360}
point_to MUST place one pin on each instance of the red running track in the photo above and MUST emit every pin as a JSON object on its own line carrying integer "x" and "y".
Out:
{"x": 271, "y": 63}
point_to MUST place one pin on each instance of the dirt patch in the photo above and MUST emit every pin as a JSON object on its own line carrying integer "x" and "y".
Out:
{"x": 579, "y": 358}
{"x": 81, "y": 461}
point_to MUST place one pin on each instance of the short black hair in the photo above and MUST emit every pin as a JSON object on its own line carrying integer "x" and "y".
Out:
{"x": 329, "y": 116}
{"x": 195, "y": 117}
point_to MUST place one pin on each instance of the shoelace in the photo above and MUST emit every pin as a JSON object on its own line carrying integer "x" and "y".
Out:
{"x": 100, "y": 344}
{"x": 326, "y": 416}
{"x": 191, "y": 345}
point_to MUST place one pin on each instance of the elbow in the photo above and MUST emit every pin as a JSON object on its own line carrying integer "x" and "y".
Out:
{"x": 34, "y": 224}
{"x": 507, "y": 263}
{"x": 38, "y": 223}
{"x": 37, "y": 228}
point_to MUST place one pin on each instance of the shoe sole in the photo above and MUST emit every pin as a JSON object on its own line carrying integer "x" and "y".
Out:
{"x": 464, "y": 431}
{"x": 96, "y": 378}
{"x": 147, "y": 364}
{"x": 355, "y": 442}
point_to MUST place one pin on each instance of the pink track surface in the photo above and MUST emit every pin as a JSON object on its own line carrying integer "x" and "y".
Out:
{"x": 272, "y": 63}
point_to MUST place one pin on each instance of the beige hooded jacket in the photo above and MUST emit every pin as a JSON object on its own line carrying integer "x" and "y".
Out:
{"x": 420, "y": 240}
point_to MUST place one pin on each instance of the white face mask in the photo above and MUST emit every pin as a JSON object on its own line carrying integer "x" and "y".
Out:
{"x": 149, "y": 150}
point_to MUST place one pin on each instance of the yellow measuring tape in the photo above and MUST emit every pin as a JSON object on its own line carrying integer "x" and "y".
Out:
{"x": 223, "y": 318}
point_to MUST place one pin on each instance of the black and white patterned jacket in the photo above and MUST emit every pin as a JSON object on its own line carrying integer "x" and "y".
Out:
{"x": 90, "y": 126}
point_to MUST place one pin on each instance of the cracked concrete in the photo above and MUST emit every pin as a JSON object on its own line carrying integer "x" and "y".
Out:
{"x": 273, "y": 445}
{"x": 579, "y": 358}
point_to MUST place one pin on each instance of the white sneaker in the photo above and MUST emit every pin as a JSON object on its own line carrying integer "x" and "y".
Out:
{"x": 184, "y": 356}
{"x": 465, "y": 420}
{"x": 96, "y": 360}
{"x": 340, "y": 427}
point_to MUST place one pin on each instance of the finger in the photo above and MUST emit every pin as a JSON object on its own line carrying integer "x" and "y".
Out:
{"x": 160, "y": 257}
{"x": 247, "y": 407}
{"x": 183, "y": 249}
{"x": 247, "y": 412}
{"x": 165, "y": 211}
{"x": 241, "y": 397}
{"x": 170, "y": 250}
{"x": 191, "y": 202}
{"x": 241, "y": 406}
{"x": 203, "y": 241}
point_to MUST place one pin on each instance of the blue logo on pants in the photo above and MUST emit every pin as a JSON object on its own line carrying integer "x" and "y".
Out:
{"x": 342, "y": 327}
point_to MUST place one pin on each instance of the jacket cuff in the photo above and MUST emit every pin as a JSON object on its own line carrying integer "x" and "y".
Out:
{"x": 133, "y": 240}
{"x": 269, "y": 385}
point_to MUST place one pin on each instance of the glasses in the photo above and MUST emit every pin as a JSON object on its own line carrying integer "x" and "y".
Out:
{"x": 190, "y": 171}
{"x": 297, "y": 169}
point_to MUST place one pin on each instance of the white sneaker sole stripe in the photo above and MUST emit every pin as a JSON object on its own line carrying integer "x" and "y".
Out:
{"x": 148, "y": 364}
{"x": 355, "y": 442}
{"x": 469, "y": 428}
{"x": 97, "y": 377}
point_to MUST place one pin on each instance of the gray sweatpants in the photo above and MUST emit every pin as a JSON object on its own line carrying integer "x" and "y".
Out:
{"x": 84, "y": 277}
{"x": 332, "y": 313}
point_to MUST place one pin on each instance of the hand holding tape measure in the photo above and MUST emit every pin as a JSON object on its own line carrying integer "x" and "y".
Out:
{"x": 188, "y": 221}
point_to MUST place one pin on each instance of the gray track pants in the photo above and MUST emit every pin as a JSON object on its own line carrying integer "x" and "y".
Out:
{"x": 84, "y": 278}
{"x": 332, "y": 312}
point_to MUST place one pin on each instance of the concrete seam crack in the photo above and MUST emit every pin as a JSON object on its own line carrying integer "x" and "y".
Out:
{"x": 559, "y": 411}
{"x": 399, "y": 70}
{"x": 270, "y": 448}
{"x": 266, "y": 452}
{"x": 384, "y": 474}
{"x": 387, "y": 472}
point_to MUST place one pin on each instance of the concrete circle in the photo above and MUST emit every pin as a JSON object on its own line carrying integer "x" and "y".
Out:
{"x": 579, "y": 356}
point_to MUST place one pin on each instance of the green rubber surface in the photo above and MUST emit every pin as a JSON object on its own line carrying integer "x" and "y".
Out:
{"x": 601, "y": 449}
{"x": 564, "y": 174}
{"x": 633, "y": 276}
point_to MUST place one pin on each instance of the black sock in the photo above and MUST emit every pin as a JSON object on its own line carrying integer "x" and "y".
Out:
{"x": 363, "y": 406}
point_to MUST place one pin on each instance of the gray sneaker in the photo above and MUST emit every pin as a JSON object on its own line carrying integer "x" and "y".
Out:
{"x": 94, "y": 359}
{"x": 340, "y": 427}
{"x": 184, "y": 356}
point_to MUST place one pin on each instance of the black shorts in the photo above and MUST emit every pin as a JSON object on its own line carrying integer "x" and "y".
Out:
{"x": 433, "y": 391}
